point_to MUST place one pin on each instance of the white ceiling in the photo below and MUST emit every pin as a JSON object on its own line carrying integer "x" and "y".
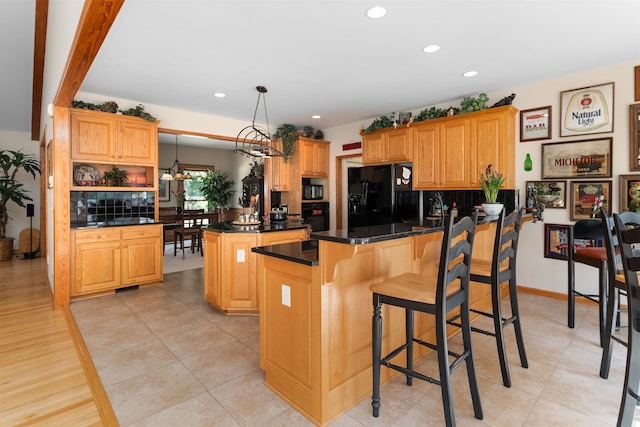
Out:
{"x": 326, "y": 57}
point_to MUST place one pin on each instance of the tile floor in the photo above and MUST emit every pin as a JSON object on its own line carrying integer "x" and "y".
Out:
{"x": 166, "y": 358}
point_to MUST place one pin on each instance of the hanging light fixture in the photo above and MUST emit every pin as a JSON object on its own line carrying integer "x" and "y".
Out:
{"x": 255, "y": 141}
{"x": 174, "y": 172}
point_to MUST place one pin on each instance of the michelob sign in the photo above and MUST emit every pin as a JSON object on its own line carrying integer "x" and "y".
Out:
{"x": 587, "y": 110}
{"x": 578, "y": 159}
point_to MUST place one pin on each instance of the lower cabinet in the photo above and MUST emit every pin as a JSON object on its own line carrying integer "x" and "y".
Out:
{"x": 230, "y": 268}
{"x": 106, "y": 259}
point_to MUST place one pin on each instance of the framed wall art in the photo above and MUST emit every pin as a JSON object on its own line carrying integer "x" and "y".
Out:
{"x": 555, "y": 241}
{"x": 630, "y": 193}
{"x": 535, "y": 124}
{"x": 553, "y": 194}
{"x": 587, "y": 110}
{"x": 587, "y": 197}
{"x": 634, "y": 137}
{"x": 164, "y": 191}
{"x": 577, "y": 159}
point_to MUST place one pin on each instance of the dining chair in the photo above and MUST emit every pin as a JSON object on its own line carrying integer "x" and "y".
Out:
{"x": 616, "y": 286}
{"x": 436, "y": 296}
{"x": 500, "y": 269}
{"x": 627, "y": 226}
{"x": 189, "y": 226}
{"x": 594, "y": 256}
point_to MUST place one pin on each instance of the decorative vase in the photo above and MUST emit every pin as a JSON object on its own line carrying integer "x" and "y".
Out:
{"x": 492, "y": 209}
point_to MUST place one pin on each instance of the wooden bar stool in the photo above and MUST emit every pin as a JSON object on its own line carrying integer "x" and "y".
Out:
{"x": 627, "y": 226}
{"x": 436, "y": 296}
{"x": 502, "y": 268}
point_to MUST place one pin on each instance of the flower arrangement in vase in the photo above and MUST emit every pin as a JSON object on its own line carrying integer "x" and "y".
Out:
{"x": 490, "y": 182}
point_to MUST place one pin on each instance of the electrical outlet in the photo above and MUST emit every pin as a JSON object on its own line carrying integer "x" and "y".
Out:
{"x": 240, "y": 255}
{"x": 286, "y": 295}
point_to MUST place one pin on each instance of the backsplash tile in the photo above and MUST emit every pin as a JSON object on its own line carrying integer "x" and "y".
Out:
{"x": 95, "y": 208}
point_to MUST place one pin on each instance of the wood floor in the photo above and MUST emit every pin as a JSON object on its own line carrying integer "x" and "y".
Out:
{"x": 46, "y": 375}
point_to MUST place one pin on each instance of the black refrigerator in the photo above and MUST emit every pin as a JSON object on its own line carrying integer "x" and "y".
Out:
{"x": 381, "y": 195}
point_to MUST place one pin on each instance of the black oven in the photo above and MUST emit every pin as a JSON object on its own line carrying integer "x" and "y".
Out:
{"x": 316, "y": 214}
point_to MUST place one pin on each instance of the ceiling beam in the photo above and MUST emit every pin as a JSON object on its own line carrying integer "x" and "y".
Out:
{"x": 93, "y": 27}
{"x": 39, "y": 44}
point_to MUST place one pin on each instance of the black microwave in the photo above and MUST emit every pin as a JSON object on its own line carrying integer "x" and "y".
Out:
{"x": 312, "y": 192}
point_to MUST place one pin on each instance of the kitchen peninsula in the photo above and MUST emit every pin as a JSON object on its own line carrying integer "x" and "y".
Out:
{"x": 230, "y": 280}
{"x": 316, "y": 308}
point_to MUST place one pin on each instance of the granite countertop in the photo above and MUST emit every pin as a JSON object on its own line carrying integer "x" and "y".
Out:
{"x": 118, "y": 222}
{"x": 305, "y": 252}
{"x": 265, "y": 227}
{"x": 381, "y": 233}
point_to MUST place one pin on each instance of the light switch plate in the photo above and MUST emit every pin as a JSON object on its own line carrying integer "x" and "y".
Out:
{"x": 286, "y": 295}
{"x": 240, "y": 255}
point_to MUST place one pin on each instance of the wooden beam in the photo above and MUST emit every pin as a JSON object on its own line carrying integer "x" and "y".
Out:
{"x": 39, "y": 44}
{"x": 93, "y": 27}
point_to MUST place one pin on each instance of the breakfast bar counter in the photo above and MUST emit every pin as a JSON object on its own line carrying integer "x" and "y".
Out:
{"x": 315, "y": 318}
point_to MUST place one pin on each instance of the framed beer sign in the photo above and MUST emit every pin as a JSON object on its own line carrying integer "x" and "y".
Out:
{"x": 577, "y": 159}
{"x": 587, "y": 110}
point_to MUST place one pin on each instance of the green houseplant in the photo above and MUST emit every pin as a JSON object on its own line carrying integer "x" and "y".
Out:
{"x": 288, "y": 134}
{"x": 115, "y": 177}
{"x": 217, "y": 188}
{"x": 490, "y": 182}
{"x": 11, "y": 162}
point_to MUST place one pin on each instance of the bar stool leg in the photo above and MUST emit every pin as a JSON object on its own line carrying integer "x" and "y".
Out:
{"x": 498, "y": 327}
{"x": 471, "y": 370}
{"x": 607, "y": 348}
{"x": 376, "y": 326}
{"x": 517, "y": 326}
{"x": 602, "y": 300}
{"x": 408, "y": 320}
{"x": 443, "y": 367}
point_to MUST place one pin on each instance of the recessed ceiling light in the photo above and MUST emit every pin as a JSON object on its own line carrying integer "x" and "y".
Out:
{"x": 431, "y": 48}
{"x": 219, "y": 95}
{"x": 376, "y": 12}
{"x": 470, "y": 74}
{"x": 315, "y": 116}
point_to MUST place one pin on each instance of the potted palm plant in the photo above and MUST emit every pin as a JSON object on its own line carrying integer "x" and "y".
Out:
{"x": 217, "y": 188}
{"x": 11, "y": 162}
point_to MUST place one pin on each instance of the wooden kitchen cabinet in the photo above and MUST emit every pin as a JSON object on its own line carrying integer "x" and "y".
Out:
{"x": 231, "y": 282}
{"x": 452, "y": 152}
{"x": 110, "y": 138}
{"x": 494, "y": 136}
{"x": 95, "y": 261}
{"x": 105, "y": 259}
{"x": 314, "y": 158}
{"x": 387, "y": 146}
{"x": 142, "y": 249}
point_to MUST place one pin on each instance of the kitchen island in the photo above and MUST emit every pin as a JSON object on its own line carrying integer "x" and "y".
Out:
{"x": 315, "y": 311}
{"x": 230, "y": 280}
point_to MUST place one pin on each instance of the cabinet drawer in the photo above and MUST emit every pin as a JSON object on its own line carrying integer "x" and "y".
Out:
{"x": 141, "y": 232}
{"x": 96, "y": 235}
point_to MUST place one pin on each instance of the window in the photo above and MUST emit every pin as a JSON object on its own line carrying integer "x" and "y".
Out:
{"x": 193, "y": 197}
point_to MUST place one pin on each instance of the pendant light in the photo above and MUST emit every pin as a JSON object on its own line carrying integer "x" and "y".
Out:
{"x": 255, "y": 141}
{"x": 174, "y": 172}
